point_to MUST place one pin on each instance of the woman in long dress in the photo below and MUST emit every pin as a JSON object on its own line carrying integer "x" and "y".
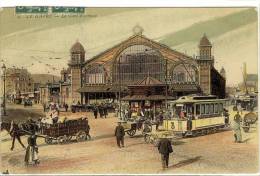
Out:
{"x": 31, "y": 156}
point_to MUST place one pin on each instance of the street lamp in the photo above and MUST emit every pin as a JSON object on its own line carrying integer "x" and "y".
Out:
{"x": 4, "y": 104}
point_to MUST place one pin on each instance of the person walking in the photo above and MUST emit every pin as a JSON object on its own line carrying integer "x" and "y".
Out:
{"x": 165, "y": 148}
{"x": 66, "y": 106}
{"x": 101, "y": 111}
{"x": 95, "y": 112}
{"x": 120, "y": 133}
{"x": 236, "y": 128}
{"x": 105, "y": 110}
{"x": 31, "y": 155}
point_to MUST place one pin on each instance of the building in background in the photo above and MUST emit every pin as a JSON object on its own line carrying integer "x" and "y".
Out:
{"x": 250, "y": 82}
{"x": 19, "y": 84}
{"x": 108, "y": 74}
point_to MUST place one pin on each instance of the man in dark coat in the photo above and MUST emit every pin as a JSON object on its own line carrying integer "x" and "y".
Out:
{"x": 66, "y": 106}
{"x": 105, "y": 111}
{"x": 95, "y": 111}
{"x": 165, "y": 148}
{"x": 101, "y": 111}
{"x": 120, "y": 133}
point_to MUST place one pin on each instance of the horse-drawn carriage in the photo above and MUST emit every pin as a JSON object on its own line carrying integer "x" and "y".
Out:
{"x": 142, "y": 125}
{"x": 64, "y": 132}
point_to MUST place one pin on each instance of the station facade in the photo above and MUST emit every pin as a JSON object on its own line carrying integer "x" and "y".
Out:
{"x": 108, "y": 74}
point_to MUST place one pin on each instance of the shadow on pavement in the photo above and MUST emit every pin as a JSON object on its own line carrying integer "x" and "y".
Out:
{"x": 186, "y": 162}
{"x": 245, "y": 141}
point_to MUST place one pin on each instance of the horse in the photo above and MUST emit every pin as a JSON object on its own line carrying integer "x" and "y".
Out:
{"x": 16, "y": 131}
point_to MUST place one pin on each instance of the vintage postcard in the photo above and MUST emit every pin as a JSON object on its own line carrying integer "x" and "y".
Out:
{"x": 101, "y": 90}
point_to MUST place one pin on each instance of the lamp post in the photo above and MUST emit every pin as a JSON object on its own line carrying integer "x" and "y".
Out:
{"x": 4, "y": 103}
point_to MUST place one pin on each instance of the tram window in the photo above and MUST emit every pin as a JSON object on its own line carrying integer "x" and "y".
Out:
{"x": 220, "y": 108}
{"x": 198, "y": 109}
{"x": 207, "y": 109}
{"x": 216, "y": 109}
{"x": 211, "y": 109}
{"x": 202, "y": 109}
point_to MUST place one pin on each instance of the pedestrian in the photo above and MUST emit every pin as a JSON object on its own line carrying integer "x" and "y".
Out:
{"x": 31, "y": 155}
{"x": 120, "y": 133}
{"x": 101, "y": 111}
{"x": 95, "y": 111}
{"x": 165, "y": 148}
{"x": 105, "y": 111}
{"x": 66, "y": 106}
{"x": 236, "y": 128}
{"x": 44, "y": 107}
{"x": 87, "y": 128}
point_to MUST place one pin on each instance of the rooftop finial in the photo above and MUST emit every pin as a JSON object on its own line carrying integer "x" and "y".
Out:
{"x": 138, "y": 30}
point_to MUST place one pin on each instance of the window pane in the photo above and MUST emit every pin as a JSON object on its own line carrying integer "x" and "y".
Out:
{"x": 216, "y": 108}
{"x": 207, "y": 109}
{"x": 203, "y": 109}
{"x": 198, "y": 109}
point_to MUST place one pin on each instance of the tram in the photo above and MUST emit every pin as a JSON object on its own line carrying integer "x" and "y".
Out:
{"x": 196, "y": 115}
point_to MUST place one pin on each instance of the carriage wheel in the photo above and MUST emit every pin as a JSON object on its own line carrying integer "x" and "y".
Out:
{"x": 147, "y": 138}
{"x": 156, "y": 142}
{"x": 246, "y": 128}
{"x": 81, "y": 136}
{"x": 147, "y": 129}
{"x": 48, "y": 140}
{"x": 69, "y": 138}
{"x": 62, "y": 139}
{"x": 131, "y": 132}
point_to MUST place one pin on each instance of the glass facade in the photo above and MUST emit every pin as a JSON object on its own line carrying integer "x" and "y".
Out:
{"x": 136, "y": 62}
{"x": 184, "y": 73}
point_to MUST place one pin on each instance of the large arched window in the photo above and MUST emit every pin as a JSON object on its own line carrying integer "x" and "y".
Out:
{"x": 136, "y": 62}
{"x": 95, "y": 74}
{"x": 184, "y": 73}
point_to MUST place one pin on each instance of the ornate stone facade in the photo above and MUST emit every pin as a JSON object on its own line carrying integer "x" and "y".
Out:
{"x": 108, "y": 74}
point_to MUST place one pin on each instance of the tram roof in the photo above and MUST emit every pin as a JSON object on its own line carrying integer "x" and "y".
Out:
{"x": 195, "y": 99}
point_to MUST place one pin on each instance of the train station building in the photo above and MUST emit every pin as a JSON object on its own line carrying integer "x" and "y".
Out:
{"x": 109, "y": 74}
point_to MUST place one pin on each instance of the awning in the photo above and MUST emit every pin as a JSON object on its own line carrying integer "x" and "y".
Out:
{"x": 143, "y": 97}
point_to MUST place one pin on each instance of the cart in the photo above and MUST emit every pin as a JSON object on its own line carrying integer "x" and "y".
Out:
{"x": 138, "y": 125}
{"x": 65, "y": 132}
{"x": 249, "y": 121}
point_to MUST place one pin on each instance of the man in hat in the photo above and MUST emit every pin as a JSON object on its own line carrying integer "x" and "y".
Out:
{"x": 165, "y": 148}
{"x": 120, "y": 133}
{"x": 236, "y": 128}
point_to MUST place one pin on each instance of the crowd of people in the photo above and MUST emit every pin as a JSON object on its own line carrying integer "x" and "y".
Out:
{"x": 101, "y": 110}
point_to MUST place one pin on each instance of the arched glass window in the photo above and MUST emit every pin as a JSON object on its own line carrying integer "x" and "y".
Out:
{"x": 184, "y": 73}
{"x": 95, "y": 75}
{"x": 136, "y": 62}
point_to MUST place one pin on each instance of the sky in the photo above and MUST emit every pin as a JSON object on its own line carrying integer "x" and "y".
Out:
{"x": 42, "y": 45}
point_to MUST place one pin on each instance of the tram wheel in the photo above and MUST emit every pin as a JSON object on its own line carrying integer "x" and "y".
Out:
{"x": 204, "y": 132}
{"x": 194, "y": 134}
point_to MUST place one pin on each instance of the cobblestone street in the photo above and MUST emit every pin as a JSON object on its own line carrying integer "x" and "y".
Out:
{"x": 214, "y": 153}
